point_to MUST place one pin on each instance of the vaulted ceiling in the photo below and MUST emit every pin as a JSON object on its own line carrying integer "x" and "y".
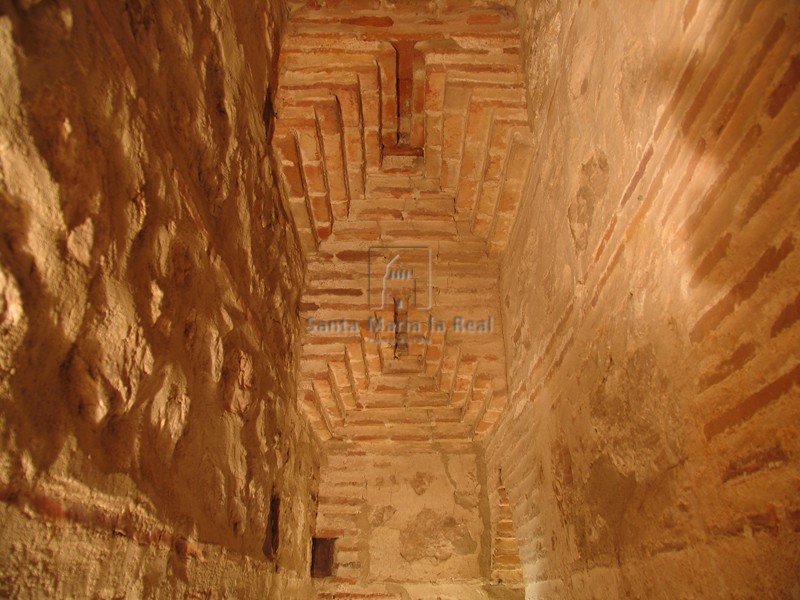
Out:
{"x": 402, "y": 139}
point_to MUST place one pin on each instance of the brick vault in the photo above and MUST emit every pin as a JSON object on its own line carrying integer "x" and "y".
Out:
{"x": 402, "y": 137}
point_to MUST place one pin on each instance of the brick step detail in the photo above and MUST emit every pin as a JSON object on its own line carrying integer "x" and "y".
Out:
{"x": 506, "y": 560}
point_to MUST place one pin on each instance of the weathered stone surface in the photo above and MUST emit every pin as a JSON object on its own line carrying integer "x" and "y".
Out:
{"x": 434, "y": 535}
{"x": 421, "y": 482}
{"x": 149, "y": 280}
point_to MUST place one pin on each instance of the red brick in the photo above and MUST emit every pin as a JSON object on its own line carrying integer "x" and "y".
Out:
{"x": 484, "y": 19}
{"x": 740, "y": 357}
{"x": 788, "y": 317}
{"x": 710, "y": 260}
{"x": 755, "y": 462}
{"x": 754, "y": 403}
{"x": 366, "y": 21}
{"x": 768, "y": 263}
{"x": 785, "y": 88}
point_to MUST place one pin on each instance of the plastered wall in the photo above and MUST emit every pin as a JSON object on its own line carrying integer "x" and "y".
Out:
{"x": 149, "y": 279}
{"x": 411, "y": 520}
{"x": 650, "y": 292}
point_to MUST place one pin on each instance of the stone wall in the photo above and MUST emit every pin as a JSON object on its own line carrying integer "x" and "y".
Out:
{"x": 150, "y": 279}
{"x": 650, "y": 448}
